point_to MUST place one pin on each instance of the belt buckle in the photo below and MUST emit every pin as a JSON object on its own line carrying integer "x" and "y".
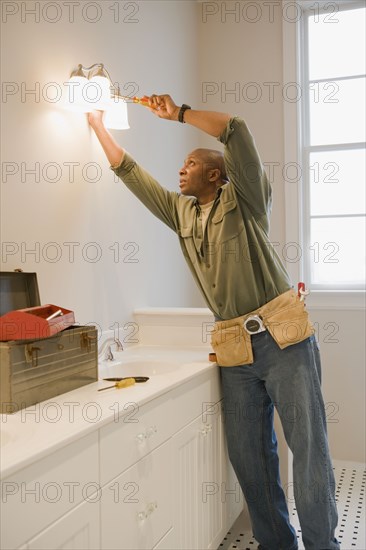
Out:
{"x": 254, "y": 324}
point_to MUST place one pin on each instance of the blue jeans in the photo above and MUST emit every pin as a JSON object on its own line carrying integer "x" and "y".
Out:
{"x": 289, "y": 380}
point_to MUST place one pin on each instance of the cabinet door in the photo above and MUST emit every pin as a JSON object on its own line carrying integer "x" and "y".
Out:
{"x": 212, "y": 486}
{"x": 133, "y": 436}
{"x": 77, "y": 530}
{"x": 46, "y": 490}
{"x": 232, "y": 495}
{"x": 137, "y": 506}
{"x": 198, "y": 480}
{"x": 187, "y": 448}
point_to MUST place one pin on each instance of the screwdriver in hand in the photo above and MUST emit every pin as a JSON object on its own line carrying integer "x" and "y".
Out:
{"x": 142, "y": 100}
{"x": 121, "y": 384}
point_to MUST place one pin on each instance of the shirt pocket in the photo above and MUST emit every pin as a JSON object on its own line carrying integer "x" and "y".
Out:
{"x": 186, "y": 232}
{"x": 227, "y": 222}
{"x": 189, "y": 246}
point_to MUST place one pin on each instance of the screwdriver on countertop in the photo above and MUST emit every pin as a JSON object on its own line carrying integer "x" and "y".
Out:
{"x": 121, "y": 384}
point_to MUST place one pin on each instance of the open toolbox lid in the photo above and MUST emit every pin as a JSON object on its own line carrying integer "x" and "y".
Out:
{"x": 18, "y": 290}
{"x": 21, "y": 315}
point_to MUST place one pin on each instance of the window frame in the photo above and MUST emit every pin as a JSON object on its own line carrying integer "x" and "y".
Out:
{"x": 296, "y": 136}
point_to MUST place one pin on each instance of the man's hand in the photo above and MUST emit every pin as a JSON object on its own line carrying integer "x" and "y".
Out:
{"x": 95, "y": 118}
{"x": 163, "y": 106}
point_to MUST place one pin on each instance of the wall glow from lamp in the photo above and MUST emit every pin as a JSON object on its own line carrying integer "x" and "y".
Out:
{"x": 91, "y": 88}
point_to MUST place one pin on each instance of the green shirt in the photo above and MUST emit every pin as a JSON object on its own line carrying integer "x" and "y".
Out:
{"x": 233, "y": 261}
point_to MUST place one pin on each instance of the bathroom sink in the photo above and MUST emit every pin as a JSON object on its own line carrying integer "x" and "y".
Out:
{"x": 137, "y": 367}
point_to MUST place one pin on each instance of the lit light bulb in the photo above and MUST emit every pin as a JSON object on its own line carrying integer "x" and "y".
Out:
{"x": 97, "y": 93}
{"x": 116, "y": 117}
{"x": 75, "y": 94}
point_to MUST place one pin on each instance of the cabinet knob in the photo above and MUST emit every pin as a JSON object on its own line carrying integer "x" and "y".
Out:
{"x": 148, "y": 433}
{"x": 150, "y": 508}
{"x": 141, "y": 516}
{"x": 206, "y": 428}
{"x": 151, "y": 431}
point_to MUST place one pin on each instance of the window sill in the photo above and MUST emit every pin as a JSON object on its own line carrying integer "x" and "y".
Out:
{"x": 336, "y": 299}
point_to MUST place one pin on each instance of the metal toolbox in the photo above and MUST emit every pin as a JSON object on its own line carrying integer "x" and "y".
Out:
{"x": 34, "y": 370}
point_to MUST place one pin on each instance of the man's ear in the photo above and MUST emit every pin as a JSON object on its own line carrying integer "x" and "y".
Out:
{"x": 214, "y": 175}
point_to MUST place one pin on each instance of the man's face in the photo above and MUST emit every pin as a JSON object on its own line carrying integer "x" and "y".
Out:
{"x": 193, "y": 176}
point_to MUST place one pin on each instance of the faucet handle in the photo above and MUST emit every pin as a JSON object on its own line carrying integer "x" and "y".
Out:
{"x": 119, "y": 346}
{"x": 108, "y": 354}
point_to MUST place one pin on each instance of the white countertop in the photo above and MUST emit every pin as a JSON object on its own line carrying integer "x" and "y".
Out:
{"x": 41, "y": 429}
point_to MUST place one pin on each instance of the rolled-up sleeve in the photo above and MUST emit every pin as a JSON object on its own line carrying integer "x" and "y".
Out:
{"x": 245, "y": 169}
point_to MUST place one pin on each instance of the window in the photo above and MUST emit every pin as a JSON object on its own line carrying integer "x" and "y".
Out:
{"x": 333, "y": 144}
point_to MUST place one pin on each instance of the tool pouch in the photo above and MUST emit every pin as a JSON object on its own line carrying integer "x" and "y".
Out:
{"x": 231, "y": 343}
{"x": 284, "y": 317}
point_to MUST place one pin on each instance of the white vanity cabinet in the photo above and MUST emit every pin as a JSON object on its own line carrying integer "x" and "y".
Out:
{"x": 155, "y": 476}
{"x": 174, "y": 495}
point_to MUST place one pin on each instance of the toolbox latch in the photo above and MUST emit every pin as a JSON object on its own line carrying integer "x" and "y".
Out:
{"x": 86, "y": 341}
{"x": 31, "y": 354}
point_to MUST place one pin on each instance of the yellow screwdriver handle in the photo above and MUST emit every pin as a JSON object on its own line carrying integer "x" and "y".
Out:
{"x": 125, "y": 383}
{"x": 141, "y": 100}
{"x": 121, "y": 384}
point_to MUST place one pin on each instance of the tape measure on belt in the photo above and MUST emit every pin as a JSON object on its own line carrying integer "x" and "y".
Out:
{"x": 254, "y": 324}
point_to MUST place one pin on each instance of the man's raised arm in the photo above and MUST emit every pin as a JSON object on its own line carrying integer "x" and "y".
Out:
{"x": 211, "y": 122}
{"x": 113, "y": 151}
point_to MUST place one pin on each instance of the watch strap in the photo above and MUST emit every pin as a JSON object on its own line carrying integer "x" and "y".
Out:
{"x": 182, "y": 110}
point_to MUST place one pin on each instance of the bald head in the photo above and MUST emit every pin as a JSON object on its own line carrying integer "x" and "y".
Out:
{"x": 202, "y": 174}
{"x": 213, "y": 160}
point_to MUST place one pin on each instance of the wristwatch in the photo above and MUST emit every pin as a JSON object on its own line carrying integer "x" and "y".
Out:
{"x": 182, "y": 110}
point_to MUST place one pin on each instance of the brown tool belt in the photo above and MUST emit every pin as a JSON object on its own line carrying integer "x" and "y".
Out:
{"x": 285, "y": 317}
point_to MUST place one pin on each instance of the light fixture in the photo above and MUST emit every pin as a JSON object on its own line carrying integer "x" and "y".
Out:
{"x": 91, "y": 88}
{"x": 75, "y": 90}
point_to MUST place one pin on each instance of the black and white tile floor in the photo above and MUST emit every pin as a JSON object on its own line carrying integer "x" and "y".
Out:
{"x": 350, "y": 494}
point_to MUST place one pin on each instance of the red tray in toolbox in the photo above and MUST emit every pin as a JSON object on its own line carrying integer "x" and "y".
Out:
{"x": 33, "y": 323}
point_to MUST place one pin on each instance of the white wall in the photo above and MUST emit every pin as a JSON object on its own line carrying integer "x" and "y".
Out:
{"x": 149, "y": 46}
{"x": 341, "y": 335}
{"x": 240, "y": 57}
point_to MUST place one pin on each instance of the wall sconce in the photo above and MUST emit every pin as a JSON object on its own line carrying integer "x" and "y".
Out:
{"x": 91, "y": 88}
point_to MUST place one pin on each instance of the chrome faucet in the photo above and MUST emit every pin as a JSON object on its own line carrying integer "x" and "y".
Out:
{"x": 106, "y": 349}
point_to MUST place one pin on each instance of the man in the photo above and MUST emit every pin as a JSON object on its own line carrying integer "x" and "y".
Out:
{"x": 265, "y": 346}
